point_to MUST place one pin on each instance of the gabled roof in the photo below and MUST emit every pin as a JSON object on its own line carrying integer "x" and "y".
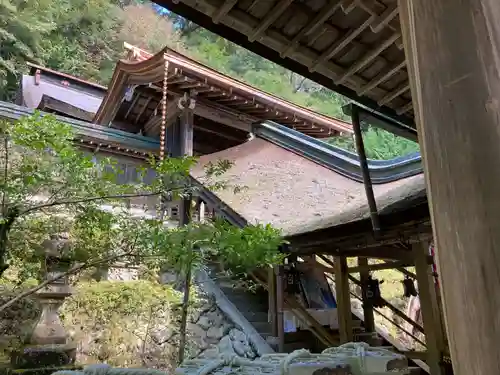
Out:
{"x": 187, "y": 75}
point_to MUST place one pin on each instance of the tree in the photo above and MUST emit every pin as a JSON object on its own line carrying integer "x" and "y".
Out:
{"x": 21, "y": 34}
{"x": 48, "y": 186}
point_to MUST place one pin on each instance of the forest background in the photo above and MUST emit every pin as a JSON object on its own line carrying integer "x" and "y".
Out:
{"x": 85, "y": 38}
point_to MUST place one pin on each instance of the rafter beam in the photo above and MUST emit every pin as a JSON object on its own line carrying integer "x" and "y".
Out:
{"x": 314, "y": 25}
{"x": 143, "y": 108}
{"x": 394, "y": 94}
{"x": 387, "y": 16}
{"x": 272, "y": 16}
{"x": 405, "y": 108}
{"x": 340, "y": 44}
{"x": 223, "y": 10}
{"x": 368, "y": 58}
{"x": 382, "y": 77}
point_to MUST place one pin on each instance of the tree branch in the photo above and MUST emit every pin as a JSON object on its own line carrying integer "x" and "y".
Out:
{"x": 5, "y": 171}
{"x": 71, "y": 271}
{"x": 88, "y": 199}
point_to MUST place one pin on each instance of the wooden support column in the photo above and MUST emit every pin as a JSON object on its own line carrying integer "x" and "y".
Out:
{"x": 369, "y": 319}
{"x": 280, "y": 304}
{"x": 185, "y": 141}
{"x": 434, "y": 337}
{"x": 273, "y": 312}
{"x": 453, "y": 54}
{"x": 343, "y": 299}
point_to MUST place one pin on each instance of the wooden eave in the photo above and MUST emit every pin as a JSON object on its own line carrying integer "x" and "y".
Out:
{"x": 212, "y": 89}
{"x": 353, "y": 47}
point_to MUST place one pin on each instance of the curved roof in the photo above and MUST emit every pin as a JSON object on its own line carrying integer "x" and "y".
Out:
{"x": 295, "y": 194}
{"x": 185, "y": 75}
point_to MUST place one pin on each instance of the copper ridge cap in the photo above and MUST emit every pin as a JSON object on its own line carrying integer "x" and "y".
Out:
{"x": 184, "y": 62}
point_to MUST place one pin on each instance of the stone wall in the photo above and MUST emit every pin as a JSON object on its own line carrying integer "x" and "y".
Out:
{"x": 213, "y": 333}
{"x": 210, "y": 332}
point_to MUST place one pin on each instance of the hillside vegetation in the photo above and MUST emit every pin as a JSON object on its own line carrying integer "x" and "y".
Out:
{"x": 85, "y": 38}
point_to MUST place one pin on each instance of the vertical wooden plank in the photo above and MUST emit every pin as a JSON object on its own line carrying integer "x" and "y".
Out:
{"x": 343, "y": 299}
{"x": 369, "y": 318}
{"x": 273, "y": 313}
{"x": 280, "y": 302}
{"x": 453, "y": 54}
{"x": 185, "y": 142}
{"x": 187, "y": 119}
{"x": 432, "y": 322}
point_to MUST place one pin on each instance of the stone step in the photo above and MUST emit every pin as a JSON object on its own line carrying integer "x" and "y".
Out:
{"x": 255, "y": 316}
{"x": 247, "y": 304}
{"x": 414, "y": 370}
{"x": 243, "y": 292}
{"x": 261, "y": 327}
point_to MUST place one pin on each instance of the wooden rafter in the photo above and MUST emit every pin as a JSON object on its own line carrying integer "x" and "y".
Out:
{"x": 326, "y": 43}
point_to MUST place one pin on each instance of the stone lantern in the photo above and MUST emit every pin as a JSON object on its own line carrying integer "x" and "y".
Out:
{"x": 48, "y": 345}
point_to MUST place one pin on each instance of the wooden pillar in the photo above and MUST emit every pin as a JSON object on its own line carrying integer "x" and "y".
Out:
{"x": 434, "y": 336}
{"x": 280, "y": 302}
{"x": 453, "y": 54}
{"x": 369, "y": 319}
{"x": 185, "y": 141}
{"x": 343, "y": 299}
{"x": 273, "y": 312}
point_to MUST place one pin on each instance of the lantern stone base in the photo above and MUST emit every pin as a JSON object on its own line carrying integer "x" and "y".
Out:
{"x": 43, "y": 356}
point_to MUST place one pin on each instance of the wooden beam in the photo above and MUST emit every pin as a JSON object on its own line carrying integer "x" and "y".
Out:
{"x": 280, "y": 300}
{"x": 187, "y": 124}
{"x": 143, "y": 108}
{"x": 368, "y": 58}
{"x": 432, "y": 323}
{"x": 223, "y": 116}
{"x": 340, "y": 44}
{"x": 223, "y": 10}
{"x": 377, "y": 267}
{"x": 343, "y": 299}
{"x": 452, "y": 48}
{"x": 271, "y": 292}
{"x": 314, "y": 25}
{"x": 271, "y": 16}
{"x": 382, "y": 77}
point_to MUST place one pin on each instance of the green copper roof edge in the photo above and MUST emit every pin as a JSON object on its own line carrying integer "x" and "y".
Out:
{"x": 12, "y": 111}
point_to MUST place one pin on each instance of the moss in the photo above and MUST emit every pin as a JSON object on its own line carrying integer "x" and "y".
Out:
{"x": 116, "y": 322}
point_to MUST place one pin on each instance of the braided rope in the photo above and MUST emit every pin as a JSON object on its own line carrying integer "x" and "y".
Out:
{"x": 164, "y": 110}
{"x": 352, "y": 350}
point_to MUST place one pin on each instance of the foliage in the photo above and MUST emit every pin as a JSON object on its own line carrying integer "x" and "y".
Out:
{"x": 122, "y": 323}
{"x": 23, "y": 26}
{"x": 49, "y": 187}
{"x": 103, "y": 301}
{"x": 143, "y": 28}
{"x": 379, "y": 144}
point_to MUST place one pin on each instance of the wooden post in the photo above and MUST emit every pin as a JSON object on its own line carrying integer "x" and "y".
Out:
{"x": 280, "y": 302}
{"x": 428, "y": 301}
{"x": 271, "y": 290}
{"x": 343, "y": 299}
{"x": 369, "y": 319}
{"x": 453, "y": 57}
{"x": 186, "y": 148}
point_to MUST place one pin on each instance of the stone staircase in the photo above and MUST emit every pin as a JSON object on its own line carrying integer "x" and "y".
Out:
{"x": 252, "y": 304}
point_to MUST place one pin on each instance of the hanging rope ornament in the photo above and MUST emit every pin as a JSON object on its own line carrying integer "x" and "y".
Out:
{"x": 164, "y": 111}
